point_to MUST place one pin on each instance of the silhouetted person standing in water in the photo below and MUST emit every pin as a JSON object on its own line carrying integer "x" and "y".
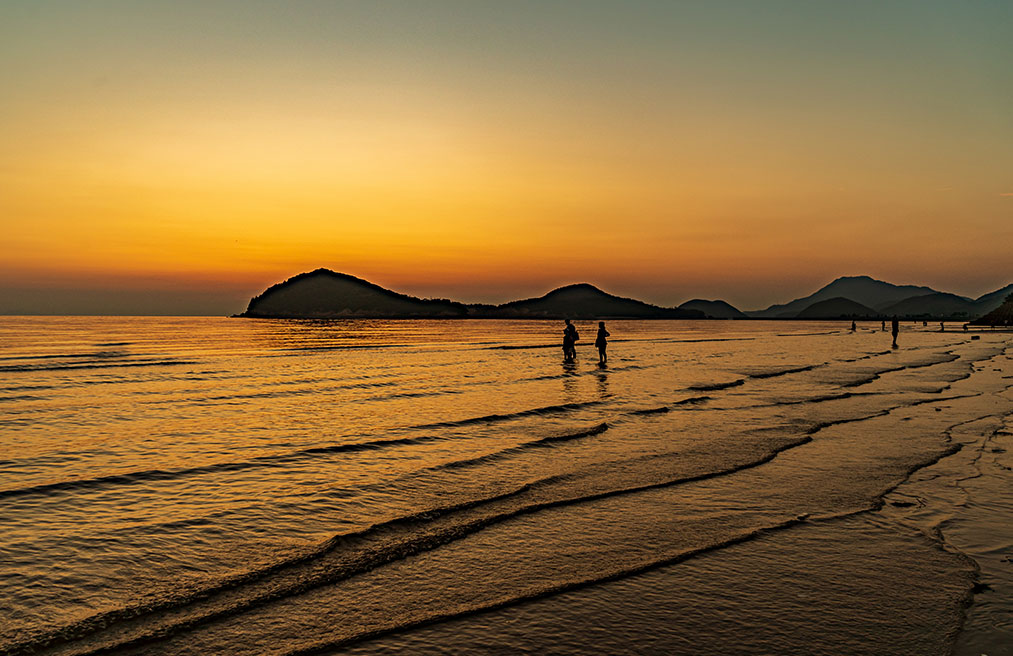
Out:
{"x": 601, "y": 343}
{"x": 570, "y": 338}
{"x": 854, "y": 326}
{"x": 895, "y": 329}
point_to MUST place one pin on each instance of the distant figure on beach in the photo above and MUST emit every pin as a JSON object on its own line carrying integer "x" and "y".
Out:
{"x": 883, "y": 325}
{"x": 570, "y": 337}
{"x": 895, "y": 329}
{"x": 942, "y": 328}
{"x": 854, "y": 326}
{"x": 601, "y": 343}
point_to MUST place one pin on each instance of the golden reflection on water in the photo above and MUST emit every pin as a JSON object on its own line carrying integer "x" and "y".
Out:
{"x": 145, "y": 455}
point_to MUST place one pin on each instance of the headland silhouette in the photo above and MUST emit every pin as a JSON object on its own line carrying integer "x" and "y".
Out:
{"x": 326, "y": 294}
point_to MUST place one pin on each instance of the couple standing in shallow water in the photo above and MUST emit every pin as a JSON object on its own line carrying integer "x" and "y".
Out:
{"x": 570, "y": 337}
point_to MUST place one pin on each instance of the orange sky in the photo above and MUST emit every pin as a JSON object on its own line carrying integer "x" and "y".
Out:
{"x": 179, "y": 156}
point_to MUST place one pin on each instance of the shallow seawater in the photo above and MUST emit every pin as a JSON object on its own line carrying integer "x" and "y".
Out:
{"x": 206, "y": 485}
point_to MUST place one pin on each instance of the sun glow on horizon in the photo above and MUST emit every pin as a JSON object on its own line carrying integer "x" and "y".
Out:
{"x": 535, "y": 147}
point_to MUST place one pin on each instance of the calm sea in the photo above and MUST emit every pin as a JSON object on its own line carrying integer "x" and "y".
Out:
{"x": 232, "y": 486}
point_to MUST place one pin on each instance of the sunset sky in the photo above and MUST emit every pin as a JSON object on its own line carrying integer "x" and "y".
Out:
{"x": 179, "y": 157}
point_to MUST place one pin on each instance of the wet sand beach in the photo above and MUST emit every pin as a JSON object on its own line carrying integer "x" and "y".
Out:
{"x": 196, "y": 486}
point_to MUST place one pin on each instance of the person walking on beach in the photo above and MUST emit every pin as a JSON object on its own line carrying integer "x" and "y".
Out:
{"x": 601, "y": 343}
{"x": 854, "y": 326}
{"x": 570, "y": 337}
{"x": 895, "y": 329}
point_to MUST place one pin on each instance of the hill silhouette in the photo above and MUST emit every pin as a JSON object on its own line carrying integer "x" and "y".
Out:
{"x": 863, "y": 290}
{"x": 837, "y": 308}
{"x": 937, "y": 305}
{"x": 1000, "y": 316}
{"x": 584, "y": 301}
{"x": 905, "y": 301}
{"x": 991, "y": 301}
{"x": 325, "y": 294}
{"x": 715, "y": 309}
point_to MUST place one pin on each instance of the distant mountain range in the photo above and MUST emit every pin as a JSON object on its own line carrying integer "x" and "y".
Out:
{"x": 854, "y": 297}
{"x": 1001, "y": 316}
{"x": 583, "y": 301}
{"x": 325, "y": 294}
{"x": 860, "y": 289}
{"x": 836, "y": 307}
{"x": 714, "y": 309}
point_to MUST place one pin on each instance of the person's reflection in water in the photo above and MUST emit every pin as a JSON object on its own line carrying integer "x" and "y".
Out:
{"x": 570, "y": 381}
{"x": 603, "y": 381}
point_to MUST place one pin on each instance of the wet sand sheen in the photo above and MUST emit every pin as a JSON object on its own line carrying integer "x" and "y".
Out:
{"x": 621, "y": 493}
{"x": 835, "y": 475}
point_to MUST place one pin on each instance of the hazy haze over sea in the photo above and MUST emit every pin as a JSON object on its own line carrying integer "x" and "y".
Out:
{"x": 207, "y": 485}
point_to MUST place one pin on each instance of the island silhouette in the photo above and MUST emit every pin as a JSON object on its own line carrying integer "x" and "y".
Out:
{"x": 1001, "y": 316}
{"x": 837, "y": 308}
{"x": 875, "y": 299}
{"x": 327, "y": 294}
{"x": 714, "y": 309}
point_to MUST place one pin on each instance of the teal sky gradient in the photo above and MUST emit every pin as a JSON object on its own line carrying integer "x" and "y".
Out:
{"x": 768, "y": 147}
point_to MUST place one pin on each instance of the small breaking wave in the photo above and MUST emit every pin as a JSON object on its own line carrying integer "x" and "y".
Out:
{"x": 784, "y": 372}
{"x": 713, "y": 387}
{"x": 92, "y": 365}
{"x": 651, "y": 411}
{"x": 521, "y": 448}
{"x": 488, "y": 419}
{"x": 693, "y": 400}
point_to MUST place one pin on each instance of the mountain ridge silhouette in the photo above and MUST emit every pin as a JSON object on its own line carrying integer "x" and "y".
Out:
{"x": 864, "y": 290}
{"x": 884, "y": 298}
{"x": 326, "y": 294}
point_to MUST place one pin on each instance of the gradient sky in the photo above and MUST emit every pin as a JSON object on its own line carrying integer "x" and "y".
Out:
{"x": 179, "y": 157}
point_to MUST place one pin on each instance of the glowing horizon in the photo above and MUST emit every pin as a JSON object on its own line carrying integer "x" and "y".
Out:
{"x": 488, "y": 153}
